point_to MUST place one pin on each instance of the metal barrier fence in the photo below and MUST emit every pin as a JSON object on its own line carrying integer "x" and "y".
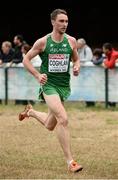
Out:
{"x": 94, "y": 83}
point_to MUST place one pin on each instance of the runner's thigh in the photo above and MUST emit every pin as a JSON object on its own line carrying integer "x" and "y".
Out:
{"x": 55, "y": 105}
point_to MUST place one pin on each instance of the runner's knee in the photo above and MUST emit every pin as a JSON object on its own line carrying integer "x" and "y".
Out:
{"x": 63, "y": 120}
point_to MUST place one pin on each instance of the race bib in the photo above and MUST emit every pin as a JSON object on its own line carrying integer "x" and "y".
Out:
{"x": 58, "y": 62}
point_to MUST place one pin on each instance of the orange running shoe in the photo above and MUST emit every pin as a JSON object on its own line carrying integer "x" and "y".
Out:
{"x": 24, "y": 114}
{"x": 74, "y": 167}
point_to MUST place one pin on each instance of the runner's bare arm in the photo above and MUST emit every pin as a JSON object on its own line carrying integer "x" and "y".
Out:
{"x": 37, "y": 48}
{"x": 75, "y": 56}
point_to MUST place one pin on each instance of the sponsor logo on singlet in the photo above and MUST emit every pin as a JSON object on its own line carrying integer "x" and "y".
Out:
{"x": 58, "y": 62}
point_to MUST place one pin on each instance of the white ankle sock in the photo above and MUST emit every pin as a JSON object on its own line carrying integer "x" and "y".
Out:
{"x": 28, "y": 112}
{"x": 69, "y": 162}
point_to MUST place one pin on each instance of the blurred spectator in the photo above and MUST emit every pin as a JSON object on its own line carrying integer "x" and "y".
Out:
{"x": 110, "y": 60}
{"x": 6, "y": 52}
{"x": 25, "y": 48}
{"x": 84, "y": 51}
{"x": 111, "y": 56}
{"x": 86, "y": 55}
{"x": 98, "y": 56}
{"x": 18, "y": 42}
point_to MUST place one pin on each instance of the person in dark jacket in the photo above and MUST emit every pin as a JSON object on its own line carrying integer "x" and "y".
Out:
{"x": 6, "y": 52}
{"x": 98, "y": 56}
{"x": 18, "y": 43}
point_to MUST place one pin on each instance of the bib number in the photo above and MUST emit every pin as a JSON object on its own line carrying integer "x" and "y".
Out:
{"x": 58, "y": 62}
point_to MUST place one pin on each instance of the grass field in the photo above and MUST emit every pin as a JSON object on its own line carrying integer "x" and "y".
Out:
{"x": 29, "y": 151}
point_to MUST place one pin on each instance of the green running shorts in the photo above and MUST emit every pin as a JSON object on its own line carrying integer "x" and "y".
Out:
{"x": 63, "y": 92}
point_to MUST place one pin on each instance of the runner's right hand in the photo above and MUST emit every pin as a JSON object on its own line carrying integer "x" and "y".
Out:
{"x": 42, "y": 79}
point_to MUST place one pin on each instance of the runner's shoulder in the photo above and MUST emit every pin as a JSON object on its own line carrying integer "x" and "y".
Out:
{"x": 71, "y": 38}
{"x": 72, "y": 41}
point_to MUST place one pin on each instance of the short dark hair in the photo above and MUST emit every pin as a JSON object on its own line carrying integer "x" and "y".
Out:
{"x": 54, "y": 13}
{"x": 26, "y": 47}
{"x": 108, "y": 46}
{"x": 20, "y": 37}
{"x": 98, "y": 52}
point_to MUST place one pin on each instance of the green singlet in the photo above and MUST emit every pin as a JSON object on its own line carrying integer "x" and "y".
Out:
{"x": 56, "y": 64}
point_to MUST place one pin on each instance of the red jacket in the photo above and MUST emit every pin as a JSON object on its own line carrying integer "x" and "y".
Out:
{"x": 111, "y": 59}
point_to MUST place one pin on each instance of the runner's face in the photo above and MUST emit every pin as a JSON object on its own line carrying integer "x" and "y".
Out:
{"x": 60, "y": 23}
